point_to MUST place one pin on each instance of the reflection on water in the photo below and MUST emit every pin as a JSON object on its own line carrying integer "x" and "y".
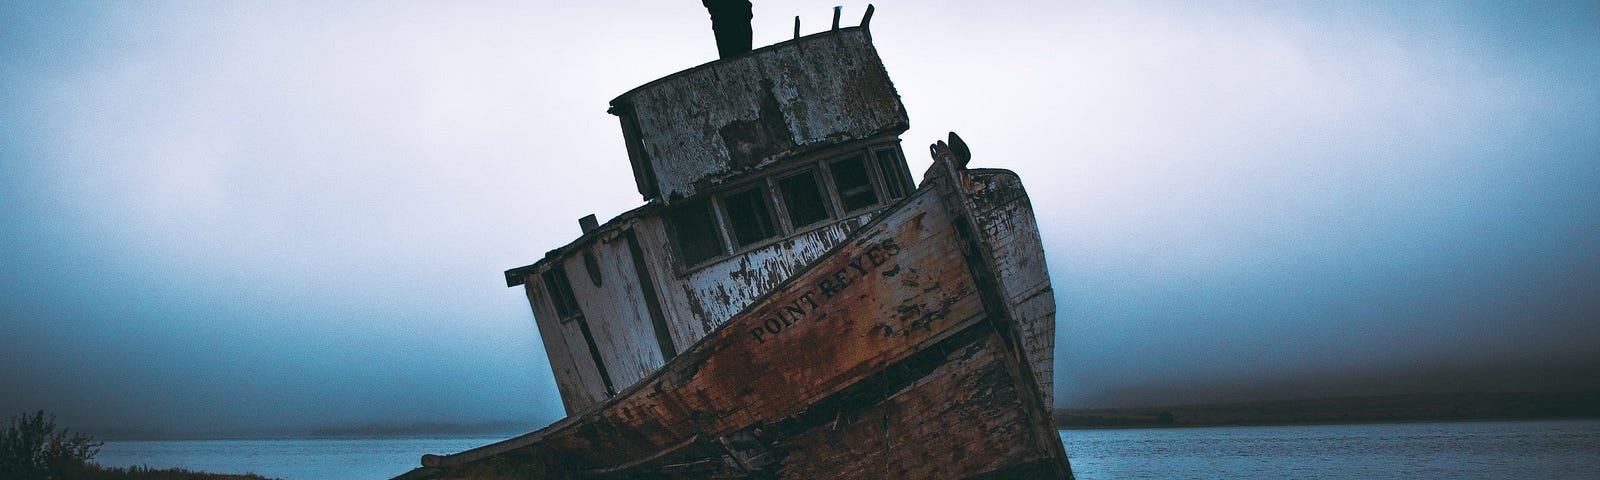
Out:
{"x": 1498, "y": 450}
{"x": 1417, "y": 451}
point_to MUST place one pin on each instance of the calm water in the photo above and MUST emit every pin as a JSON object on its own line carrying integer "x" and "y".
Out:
{"x": 318, "y": 459}
{"x": 1414, "y": 451}
{"x": 1418, "y": 451}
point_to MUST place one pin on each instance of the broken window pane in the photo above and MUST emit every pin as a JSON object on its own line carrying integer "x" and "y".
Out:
{"x": 803, "y": 199}
{"x": 894, "y": 182}
{"x": 749, "y": 216}
{"x": 694, "y": 232}
{"x": 855, "y": 188}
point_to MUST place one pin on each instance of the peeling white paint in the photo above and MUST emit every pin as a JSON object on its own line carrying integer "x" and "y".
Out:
{"x": 826, "y": 89}
{"x": 1005, "y": 216}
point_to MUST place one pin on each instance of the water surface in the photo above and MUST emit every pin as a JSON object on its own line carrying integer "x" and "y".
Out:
{"x": 1567, "y": 449}
{"x": 293, "y": 459}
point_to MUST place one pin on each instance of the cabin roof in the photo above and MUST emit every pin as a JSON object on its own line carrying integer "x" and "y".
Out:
{"x": 622, "y": 99}
{"x": 716, "y": 121}
{"x": 518, "y": 276}
{"x": 857, "y": 104}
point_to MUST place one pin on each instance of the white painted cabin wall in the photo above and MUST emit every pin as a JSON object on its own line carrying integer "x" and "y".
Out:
{"x": 576, "y": 376}
{"x": 701, "y": 300}
{"x": 693, "y": 305}
{"x": 616, "y": 312}
{"x": 653, "y": 241}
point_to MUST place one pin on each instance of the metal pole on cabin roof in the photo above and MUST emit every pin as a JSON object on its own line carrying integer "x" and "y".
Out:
{"x": 730, "y": 21}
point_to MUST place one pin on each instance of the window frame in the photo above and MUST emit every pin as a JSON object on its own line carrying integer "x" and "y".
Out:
{"x": 902, "y": 180}
{"x": 719, "y": 233}
{"x": 829, "y": 210}
{"x": 867, "y": 169}
{"x": 820, "y": 166}
{"x": 764, "y": 195}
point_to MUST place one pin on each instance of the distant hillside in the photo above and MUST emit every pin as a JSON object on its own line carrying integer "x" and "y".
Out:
{"x": 1380, "y": 408}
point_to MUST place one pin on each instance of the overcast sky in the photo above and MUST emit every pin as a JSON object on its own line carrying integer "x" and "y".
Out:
{"x": 254, "y": 215}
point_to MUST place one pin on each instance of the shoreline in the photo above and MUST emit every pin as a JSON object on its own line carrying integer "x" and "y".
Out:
{"x": 1329, "y": 424}
{"x": 1058, "y": 428}
{"x": 1373, "y": 409}
{"x": 1357, "y": 410}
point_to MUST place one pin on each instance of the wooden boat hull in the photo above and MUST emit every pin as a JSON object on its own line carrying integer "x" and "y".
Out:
{"x": 896, "y": 355}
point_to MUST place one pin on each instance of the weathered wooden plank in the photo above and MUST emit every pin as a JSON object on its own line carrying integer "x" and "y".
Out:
{"x": 949, "y": 160}
{"x": 604, "y": 281}
{"x": 909, "y": 346}
{"x": 1005, "y": 217}
{"x": 865, "y": 306}
{"x": 700, "y": 300}
{"x": 577, "y": 378}
{"x": 615, "y": 309}
{"x": 962, "y": 420}
{"x": 892, "y": 325}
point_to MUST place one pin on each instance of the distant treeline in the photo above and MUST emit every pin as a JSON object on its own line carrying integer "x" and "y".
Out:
{"x": 1384, "y": 408}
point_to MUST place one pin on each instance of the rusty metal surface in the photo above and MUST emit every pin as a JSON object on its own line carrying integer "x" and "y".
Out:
{"x": 963, "y": 419}
{"x": 886, "y": 334}
{"x": 618, "y": 312}
{"x": 686, "y": 132}
{"x": 916, "y": 345}
{"x": 869, "y": 304}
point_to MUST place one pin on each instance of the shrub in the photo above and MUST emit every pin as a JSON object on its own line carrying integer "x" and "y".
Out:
{"x": 32, "y": 448}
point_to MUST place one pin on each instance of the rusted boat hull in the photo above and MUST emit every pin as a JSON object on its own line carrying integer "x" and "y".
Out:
{"x": 896, "y": 355}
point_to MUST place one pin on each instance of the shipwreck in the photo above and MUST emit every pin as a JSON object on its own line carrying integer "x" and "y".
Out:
{"x": 789, "y": 302}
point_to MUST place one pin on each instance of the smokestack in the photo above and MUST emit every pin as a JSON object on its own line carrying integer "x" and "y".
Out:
{"x": 730, "y": 20}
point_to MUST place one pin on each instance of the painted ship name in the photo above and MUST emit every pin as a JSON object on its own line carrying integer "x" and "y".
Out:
{"x": 799, "y": 310}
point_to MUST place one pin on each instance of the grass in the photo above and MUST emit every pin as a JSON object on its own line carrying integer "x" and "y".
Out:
{"x": 32, "y": 447}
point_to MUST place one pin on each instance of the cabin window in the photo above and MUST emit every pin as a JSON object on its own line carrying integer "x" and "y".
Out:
{"x": 555, "y": 280}
{"x": 749, "y": 216}
{"x": 803, "y": 199}
{"x": 694, "y": 231}
{"x": 889, "y": 168}
{"x": 851, "y": 179}
{"x": 728, "y": 221}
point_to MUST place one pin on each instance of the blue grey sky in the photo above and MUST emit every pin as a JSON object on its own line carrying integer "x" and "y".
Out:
{"x": 251, "y": 216}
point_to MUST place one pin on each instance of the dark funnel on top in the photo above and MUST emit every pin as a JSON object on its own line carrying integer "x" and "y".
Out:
{"x": 730, "y": 19}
